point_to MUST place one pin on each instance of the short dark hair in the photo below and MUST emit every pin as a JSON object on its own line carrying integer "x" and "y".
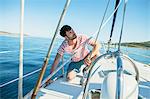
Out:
{"x": 64, "y": 29}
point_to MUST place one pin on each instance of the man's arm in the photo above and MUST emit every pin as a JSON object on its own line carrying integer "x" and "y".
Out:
{"x": 55, "y": 63}
{"x": 93, "y": 54}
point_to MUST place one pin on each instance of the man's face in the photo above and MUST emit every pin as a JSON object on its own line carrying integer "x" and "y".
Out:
{"x": 71, "y": 35}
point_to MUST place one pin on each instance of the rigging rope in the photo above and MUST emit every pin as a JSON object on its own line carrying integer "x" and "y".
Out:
{"x": 100, "y": 26}
{"x": 119, "y": 44}
{"x": 114, "y": 18}
{"x": 113, "y": 24}
{"x": 102, "y": 21}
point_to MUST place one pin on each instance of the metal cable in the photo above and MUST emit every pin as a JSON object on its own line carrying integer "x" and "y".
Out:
{"x": 99, "y": 29}
{"x": 26, "y": 75}
{"x": 124, "y": 9}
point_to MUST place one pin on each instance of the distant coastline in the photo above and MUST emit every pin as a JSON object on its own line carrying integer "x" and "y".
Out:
{"x": 145, "y": 44}
{"x": 3, "y": 33}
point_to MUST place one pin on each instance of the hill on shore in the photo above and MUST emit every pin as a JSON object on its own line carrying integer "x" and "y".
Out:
{"x": 10, "y": 34}
{"x": 145, "y": 44}
{"x": 136, "y": 44}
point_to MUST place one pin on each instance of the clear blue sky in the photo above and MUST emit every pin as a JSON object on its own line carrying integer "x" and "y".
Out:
{"x": 41, "y": 18}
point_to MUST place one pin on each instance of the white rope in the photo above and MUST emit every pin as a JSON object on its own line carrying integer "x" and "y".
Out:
{"x": 26, "y": 75}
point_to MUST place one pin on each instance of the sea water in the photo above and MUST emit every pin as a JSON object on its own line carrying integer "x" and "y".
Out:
{"x": 35, "y": 50}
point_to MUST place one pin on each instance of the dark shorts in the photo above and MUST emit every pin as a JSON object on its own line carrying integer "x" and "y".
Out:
{"x": 75, "y": 66}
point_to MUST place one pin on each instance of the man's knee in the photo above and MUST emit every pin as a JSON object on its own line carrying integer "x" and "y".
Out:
{"x": 71, "y": 75}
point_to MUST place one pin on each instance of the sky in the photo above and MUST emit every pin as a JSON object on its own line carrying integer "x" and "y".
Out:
{"x": 84, "y": 16}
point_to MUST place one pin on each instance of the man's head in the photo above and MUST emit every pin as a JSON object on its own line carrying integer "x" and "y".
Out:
{"x": 67, "y": 32}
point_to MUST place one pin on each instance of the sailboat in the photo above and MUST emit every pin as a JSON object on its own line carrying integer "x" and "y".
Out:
{"x": 112, "y": 75}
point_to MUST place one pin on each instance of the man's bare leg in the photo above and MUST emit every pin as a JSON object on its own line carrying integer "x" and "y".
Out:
{"x": 71, "y": 75}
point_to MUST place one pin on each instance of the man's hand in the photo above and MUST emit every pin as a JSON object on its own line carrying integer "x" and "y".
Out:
{"x": 88, "y": 60}
{"x": 94, "y": 53}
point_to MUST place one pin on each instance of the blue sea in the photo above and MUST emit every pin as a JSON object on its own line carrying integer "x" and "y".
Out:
{"x": 35, "y": 50}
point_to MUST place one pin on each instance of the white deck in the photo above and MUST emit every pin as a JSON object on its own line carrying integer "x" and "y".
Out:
{"x": 61, "y": 89}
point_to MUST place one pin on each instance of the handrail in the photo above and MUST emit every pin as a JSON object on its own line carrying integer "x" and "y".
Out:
{"x": 89, "y": 75}
{"x": 134, "y": 66}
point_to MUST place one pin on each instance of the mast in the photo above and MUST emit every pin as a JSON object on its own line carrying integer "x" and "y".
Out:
{"x": 20, "y": 82}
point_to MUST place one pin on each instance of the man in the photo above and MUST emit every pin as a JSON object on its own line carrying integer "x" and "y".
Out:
{"x": 74, "y": 44}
